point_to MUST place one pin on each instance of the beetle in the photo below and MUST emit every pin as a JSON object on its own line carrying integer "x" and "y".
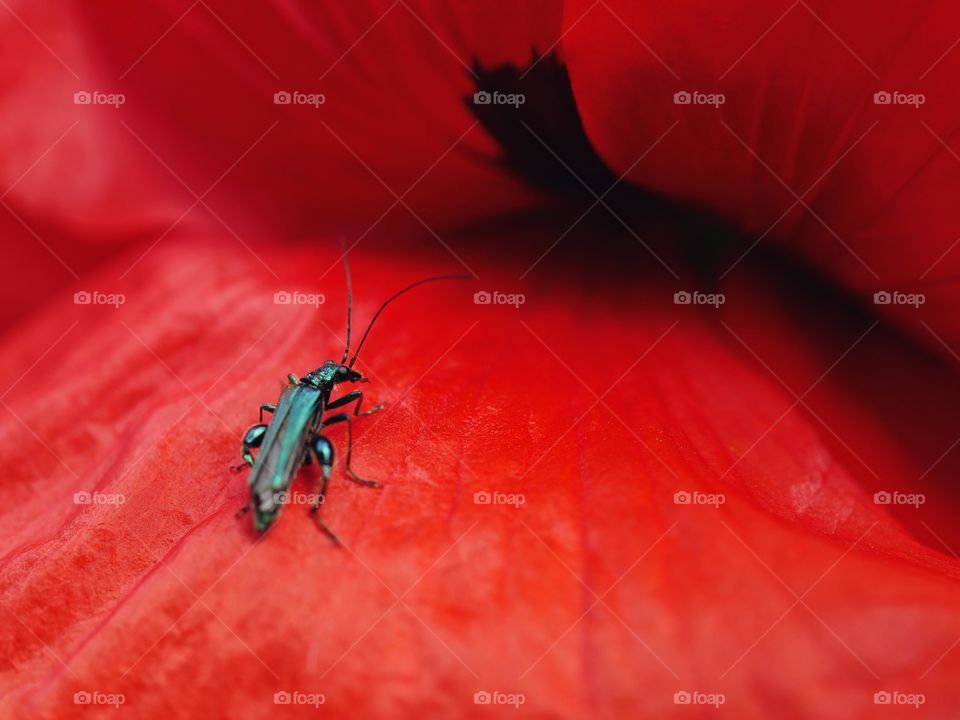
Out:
{"x": 294, "y": 433}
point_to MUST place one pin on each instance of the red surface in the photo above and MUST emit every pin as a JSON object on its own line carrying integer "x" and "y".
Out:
{"x": 798, "y": 597}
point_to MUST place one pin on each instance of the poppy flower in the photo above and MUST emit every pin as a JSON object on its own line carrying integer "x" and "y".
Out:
{"x": 686, "y": 437}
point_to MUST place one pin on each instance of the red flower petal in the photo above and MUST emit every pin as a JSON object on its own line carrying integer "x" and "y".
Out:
{"x": 797, "y": 592}
{"x": 394, "y": 78}
{"x": 73, "y": 183}
{"x": 599, "y": 403}
{"x": 799, "y": 153}
{"x": 47, "y": 137}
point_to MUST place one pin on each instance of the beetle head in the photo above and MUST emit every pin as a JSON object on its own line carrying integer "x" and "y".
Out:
{"x": 344, "y": 373}
{"x": 266, "y": 507}
{"x": 263, "y": 519}
{"x": 264, "y": 514}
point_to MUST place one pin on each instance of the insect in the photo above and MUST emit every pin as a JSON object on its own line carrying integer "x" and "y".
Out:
{"x": 299, "y": 417}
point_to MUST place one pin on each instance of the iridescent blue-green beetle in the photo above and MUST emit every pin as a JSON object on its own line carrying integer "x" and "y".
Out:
{"x": 294, "y": 432}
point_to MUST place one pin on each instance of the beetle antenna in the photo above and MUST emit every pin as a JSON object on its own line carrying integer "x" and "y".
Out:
{"x": 346, "y": 267}
{"x": 394, "y": 297}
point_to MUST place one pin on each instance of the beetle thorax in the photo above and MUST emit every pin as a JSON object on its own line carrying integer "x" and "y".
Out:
{"x": 324, "y": 374}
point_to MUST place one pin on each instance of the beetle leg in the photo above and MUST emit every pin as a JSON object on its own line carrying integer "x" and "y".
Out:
{"x": 270, "y": 408}
{"x": 354, "y": 395}
{"x": 293, "y": 379}
{"x": 253, "y": 439}
{"x": 344, "y": 417}
{"x": 323, "y": 449}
